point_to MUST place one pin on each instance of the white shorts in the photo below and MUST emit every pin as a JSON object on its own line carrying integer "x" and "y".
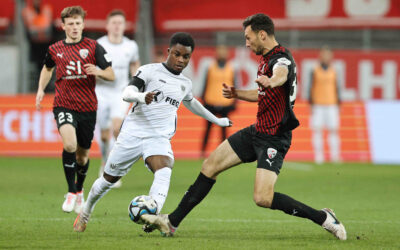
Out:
{"x": 128, "y": 149}
{"x": 325, "y": 116}
{"x": 109, "y": 108}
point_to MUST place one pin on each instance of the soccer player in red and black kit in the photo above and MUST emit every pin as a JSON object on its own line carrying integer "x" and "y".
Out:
{"x": 75, "y": 102}
{"x": 267, "y": 141}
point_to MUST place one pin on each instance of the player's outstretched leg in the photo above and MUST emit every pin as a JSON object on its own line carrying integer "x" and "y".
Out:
{"x": 100, "y": 187}
{"x": 159, "y": 191}
{"x": 325, "y": 217}
{"x": 167, "y": 224}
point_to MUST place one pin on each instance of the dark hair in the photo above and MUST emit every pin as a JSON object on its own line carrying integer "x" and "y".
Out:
{"x": 259, "y": 22}
{"x": 72, "y": 11}
{"x": 182, "y": 38}
{"x": 116, "y": 12}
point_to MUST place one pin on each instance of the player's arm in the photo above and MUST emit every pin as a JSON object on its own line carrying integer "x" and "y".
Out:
{"x": 103, "y": 60}
{"x": 131, "y": 92}
{"x": 198, "y": 109}
{"x": 44, "y": 79}
{"x": 106, "y": 74}
{"x": 278, "y": 78}
{"x": 245, "y": 95}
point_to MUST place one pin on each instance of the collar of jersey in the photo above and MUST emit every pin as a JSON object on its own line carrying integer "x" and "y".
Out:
{"x": 270, "y": 51}
{"x": 73, "y": 43}
{"x": 171, "y": 70}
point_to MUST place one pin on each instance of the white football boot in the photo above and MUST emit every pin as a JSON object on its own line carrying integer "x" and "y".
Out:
{"x": 333, "y": 225}
{"x": 80, "y": 201}
{"x": 81, "y": 222}
{"x": 69, "y": 203}
{"x": 161, "y": 222}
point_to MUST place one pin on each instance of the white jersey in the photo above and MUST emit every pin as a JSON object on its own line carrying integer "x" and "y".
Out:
{"x": 122, "y": 55}
{"x": 159, "y": 118}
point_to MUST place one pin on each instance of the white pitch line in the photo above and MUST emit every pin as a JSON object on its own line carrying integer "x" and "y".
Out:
{"x": 298, "y": 166}
{"x": 206, "y": 220}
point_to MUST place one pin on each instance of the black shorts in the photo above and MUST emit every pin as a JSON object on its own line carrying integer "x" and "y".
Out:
{"x": 83, "y": 122}
{"x": 268, "y": 150}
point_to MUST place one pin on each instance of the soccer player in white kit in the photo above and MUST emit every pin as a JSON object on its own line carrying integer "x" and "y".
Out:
{"x": 157, "y": 91}
{"x": 125, "y": 59}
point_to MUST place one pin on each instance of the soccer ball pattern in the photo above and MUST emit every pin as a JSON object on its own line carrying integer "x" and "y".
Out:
{"x": 140, "y": 205}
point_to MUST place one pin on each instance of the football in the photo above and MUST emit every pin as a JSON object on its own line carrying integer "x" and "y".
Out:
{"x": 142, "y": 204}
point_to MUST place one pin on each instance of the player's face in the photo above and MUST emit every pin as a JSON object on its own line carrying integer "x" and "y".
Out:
{"x": 253, "y": 41}
{"x": 116, "y": 25}
{"x": 73, "y": 27}
{"x": 326, "y": 56}
{"x": 178, "y": 57}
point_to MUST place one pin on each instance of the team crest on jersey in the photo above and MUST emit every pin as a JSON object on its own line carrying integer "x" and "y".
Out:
{"x": 84, "y": 53}
{"x": 271, "y": 152}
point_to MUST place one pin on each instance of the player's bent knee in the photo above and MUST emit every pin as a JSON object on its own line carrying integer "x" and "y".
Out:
{"x": 81, "y": 160}
{"x": 70, "y": 147}
{"x": 209, "y": 168}
{"x": 262, "y": 200}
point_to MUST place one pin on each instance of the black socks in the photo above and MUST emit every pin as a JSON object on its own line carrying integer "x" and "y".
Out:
{"x": 292, "y": 207}
{"x": 69, "y": 161}
{"x": 192, "y": 197}
{"x": 81, "y": 175}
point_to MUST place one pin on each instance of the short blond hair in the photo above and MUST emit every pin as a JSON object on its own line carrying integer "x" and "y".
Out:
{"x": 72, "y": 11}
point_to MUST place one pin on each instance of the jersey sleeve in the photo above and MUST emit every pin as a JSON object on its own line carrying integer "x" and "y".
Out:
{"x": 135, "y": 54}
{"x": 279, "y": 60}
{"x": 103, "y": 60}
{"x": 189, "y": 95}
{"x": 282, "y": 60}
{"x": 48, "y": 60}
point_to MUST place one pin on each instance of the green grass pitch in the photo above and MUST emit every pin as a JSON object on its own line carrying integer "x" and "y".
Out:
{"x": 366, "y": 198}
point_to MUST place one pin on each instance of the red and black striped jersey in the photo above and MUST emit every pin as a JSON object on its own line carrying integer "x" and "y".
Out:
{"x": 74, "y": 89}
{"x": 275, "y": 105}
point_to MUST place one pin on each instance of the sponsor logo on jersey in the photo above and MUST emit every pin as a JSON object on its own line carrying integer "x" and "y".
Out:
{"x": 60, "y": 55}
{"x": 183, "y": 88}
{"x": 84, "y": 53}
{"x": 163, "y": 81}
{"x": 159, "y": 95}
{"x": 172, "y": 101}
{"x": 271, "y": 152}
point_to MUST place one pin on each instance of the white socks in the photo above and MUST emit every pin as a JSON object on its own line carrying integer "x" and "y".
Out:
{"x": 159, "y": 189}
{"x": 99, "y": 189}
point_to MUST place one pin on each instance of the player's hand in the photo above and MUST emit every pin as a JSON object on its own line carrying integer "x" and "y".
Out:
{"x": 264, "y": 81}
{"x": 228, "y": 91}
{"x": 224, "y": 122}
{"x": 39, "y": 98}
{"x": 91, "y": 69}
{"x": 149, "y": 97}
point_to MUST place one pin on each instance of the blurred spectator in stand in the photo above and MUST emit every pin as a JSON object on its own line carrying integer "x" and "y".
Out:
{"x": 325, "y": 100}
{"x": 220, "y": 71}
{"x": 38, "y": 17}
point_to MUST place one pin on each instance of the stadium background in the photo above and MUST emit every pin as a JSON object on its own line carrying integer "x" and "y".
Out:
{"x": 363, "y": 192}
{"x": 363, "y": 33}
